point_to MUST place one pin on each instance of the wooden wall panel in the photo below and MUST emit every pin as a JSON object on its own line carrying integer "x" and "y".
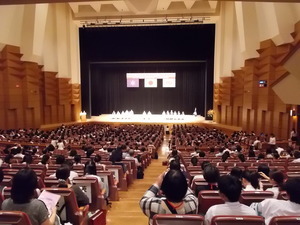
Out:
{"x": 241, "y": 102}
{"x": 30, "y": 97}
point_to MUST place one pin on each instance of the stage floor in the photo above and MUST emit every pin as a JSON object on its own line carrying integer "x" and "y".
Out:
{"x": 154, "y": 118}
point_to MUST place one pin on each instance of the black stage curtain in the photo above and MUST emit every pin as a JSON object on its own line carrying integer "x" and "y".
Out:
{"x": 109, "y": 92}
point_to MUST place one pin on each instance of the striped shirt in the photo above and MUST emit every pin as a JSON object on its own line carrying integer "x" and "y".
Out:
{"x": 151, "y": 205}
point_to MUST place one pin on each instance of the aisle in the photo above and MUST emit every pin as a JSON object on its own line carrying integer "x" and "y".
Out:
{"x": 127, "y": 210}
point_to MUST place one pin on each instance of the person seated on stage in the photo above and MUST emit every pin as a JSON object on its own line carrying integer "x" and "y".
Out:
{"x": 22, "y": 199}
{"x": 211, "y": 175}
{"x": 63, "y": 174}
{"x": 178, "y": 197}
{"x": 230, "y": 189}
{"x": 271, "y": 207}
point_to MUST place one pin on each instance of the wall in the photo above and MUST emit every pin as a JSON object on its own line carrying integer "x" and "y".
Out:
{"x": 30, "y": 97}
{"x": 239, "y": 100}
{"x": 39, "y": 79}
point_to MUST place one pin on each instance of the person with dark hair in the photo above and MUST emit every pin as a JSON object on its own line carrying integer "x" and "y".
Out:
{"x": 72, "y": 153}
{"x": 194, "y": 161}
{"x": 260, "y": 156}
{"x": 225, "y": 156}
{"x": 27, "y": 159}
{"x": 97, "y": 160}
{"x": 250, "y": 181}
{"x": 90, "y": 170}
{"x": 89, "y": 152}
{"x": 251, "y": 152}
{"x": 116, "y": 155}
{"x": 230, "y": 189}
{"x": 63, "y": 174}
{"x": 263, "y": 167}
{"x": 22, "y": 199}
{"x": 277, "y": 179}
{"x": 297, "y": 157}
{"x": 8, "y": 158}
{"x": 211, "y": 175}
{"x": 271, "y": 207}
{"x": 236, "y": 172}
{"x": 241, "y": 157}
{"x": 77, "y": 160}
{"x": 178, "y": 197}
{"x": 60, "y": 159}
{"x": 201, "y": 154}
{"x": 45, "y": 160}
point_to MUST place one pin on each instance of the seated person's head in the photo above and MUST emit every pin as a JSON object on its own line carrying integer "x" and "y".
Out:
{"x": 73, "y": 152}
{"x": 251, "y": 178}
{"x": 230, "y": 188}
{"x": 77, "y": 159}
{"x": 202, "y": 154}
{"x": 263, "y": 168}
{"x": 174, "y": 164}
{"x": 277, "y": 178}
{"x": 62, "y": 174}
{"x": 89, "y": 152}
{"x": 297, "y": 154}
{"x": 211, "y": 174}
{"x": 260, "y": 156}
{"x": 292, "y": 187}
{"x": 60, "y": 159}
{"x": 90, "y": 168}
{"x": 174, "y": 186}
{"x": 204, "y": 164}
{"x": 8, "y": 158}
{"x": 23, "y": 185}
{"x": 131, "y": 152}
{"x": 45, "y": 159}
{"x": 97, "y": 158}
{"x": 241, "y": 157}
{"x": 194, "y": 160}
{"x": 236, "y": 172}
{"x": 276, "y": 155}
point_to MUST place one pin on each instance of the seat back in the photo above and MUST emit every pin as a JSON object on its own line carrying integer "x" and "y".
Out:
{"x": 119, "y": 176}
{"x": 73, "y": 214}
{"x": 285, "y": 220}
{"x": 107, "y": 178}
{"x": 175, "y": 219}
{"x": 14, "y": 217}
{"x": 98, "y": 218}
{"x": 207, "y": 199}
{"x": 92, "y": 189}
{"x": 237, "y": 220}
{"x": 248, "y": 197}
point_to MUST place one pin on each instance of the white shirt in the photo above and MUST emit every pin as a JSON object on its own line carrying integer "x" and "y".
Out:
{"x": 279, "y": 150}
{"x": 296, "y": 160}
{"x": 273, "y": 207}
{"x": 275, "y": 190}
{"x": 60, "y": 146}
{"x": 249, "y": 187}
{"x": 272, "y": 141}
{"x": 229, "y": 208}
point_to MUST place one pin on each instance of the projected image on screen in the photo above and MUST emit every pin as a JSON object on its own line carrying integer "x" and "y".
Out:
{"x": 150, "y": 79}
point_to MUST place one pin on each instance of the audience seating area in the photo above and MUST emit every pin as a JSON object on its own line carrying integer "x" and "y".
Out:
{"x": 145, "y": 141}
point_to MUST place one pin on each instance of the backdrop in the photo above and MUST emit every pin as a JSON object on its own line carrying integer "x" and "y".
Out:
{"x": 109, "y": 90}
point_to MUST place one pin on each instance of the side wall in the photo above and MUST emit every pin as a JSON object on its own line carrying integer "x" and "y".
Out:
{"x": 39, "y": 79}
{"x": 239, "y": 101}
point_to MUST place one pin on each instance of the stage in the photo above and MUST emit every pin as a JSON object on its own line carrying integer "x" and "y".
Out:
{"x": 153, "y": 118}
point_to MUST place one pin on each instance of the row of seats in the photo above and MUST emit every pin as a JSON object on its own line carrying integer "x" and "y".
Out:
{"x": 164, "y": 219}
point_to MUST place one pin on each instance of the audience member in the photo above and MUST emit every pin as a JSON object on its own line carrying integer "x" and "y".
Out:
{"x": 269, "y": 208}
{"x": 62, "y": 174}
{"x": 23, "y": 186}
{"x": 211, "y": 175}
{"x": 179, "y": 198}
{"x": 277, "y": 179}
{"x": 250, "y": 181}
{"x": 230, "y": 189}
